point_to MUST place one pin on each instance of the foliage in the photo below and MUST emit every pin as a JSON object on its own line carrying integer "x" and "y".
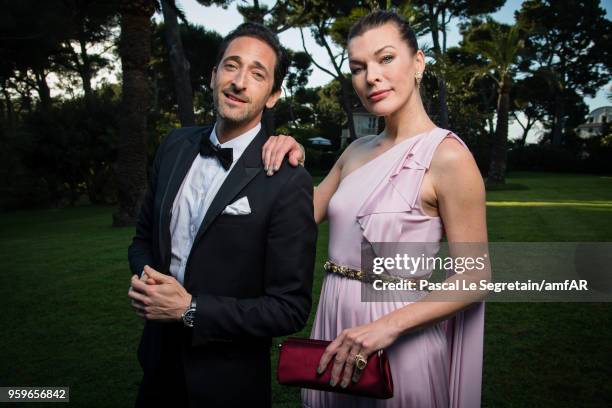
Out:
{"x": 56, "y": 156}
{"x": 569, "y": 44}
{"x": 59, "y": 114}
{"x": 200, "y": 47}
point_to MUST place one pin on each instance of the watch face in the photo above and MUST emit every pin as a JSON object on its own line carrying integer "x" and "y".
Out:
{"x": 189, "y": 317}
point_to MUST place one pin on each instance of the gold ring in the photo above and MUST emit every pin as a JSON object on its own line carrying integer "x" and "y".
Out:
{"x": 360, "y": 362}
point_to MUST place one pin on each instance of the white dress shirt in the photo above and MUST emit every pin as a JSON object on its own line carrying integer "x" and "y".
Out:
{"x": 195, "y": 195}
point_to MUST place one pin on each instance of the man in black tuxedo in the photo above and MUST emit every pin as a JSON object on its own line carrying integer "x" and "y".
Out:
{"x": 223, "y": 255}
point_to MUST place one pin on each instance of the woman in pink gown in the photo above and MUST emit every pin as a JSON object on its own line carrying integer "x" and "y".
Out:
{"x": 414, "y": 182}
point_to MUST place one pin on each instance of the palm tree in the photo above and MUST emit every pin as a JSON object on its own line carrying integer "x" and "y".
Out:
{"x": 135, "y": 52}
{"x": 499, "y": 46}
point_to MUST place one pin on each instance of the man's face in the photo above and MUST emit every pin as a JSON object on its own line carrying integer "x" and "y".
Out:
{"x": 242, "y": 83}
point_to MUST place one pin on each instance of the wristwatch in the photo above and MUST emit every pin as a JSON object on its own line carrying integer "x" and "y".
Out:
{"x": 188, "y": 316}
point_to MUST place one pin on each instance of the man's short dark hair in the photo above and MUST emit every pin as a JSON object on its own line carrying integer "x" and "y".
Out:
{"x": 264, "y": 34}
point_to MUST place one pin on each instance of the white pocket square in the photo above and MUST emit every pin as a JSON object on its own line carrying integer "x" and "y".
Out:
{"x": 238, "y": 207}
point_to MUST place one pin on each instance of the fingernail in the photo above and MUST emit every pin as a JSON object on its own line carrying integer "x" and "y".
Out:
{"x": 332, "y": 383}
{"x": 276, "y": 168}
{"x": 319, "y": 371}
{"x": 265, "y": 168}
{"x": 344, "y": 384}
{"x": 269, "y": 173}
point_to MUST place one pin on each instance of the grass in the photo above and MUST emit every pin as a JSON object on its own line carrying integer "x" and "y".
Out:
{"x": 67, "y": 321}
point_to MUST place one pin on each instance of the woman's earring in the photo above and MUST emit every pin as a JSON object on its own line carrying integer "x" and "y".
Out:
{"x": 418, "y": 76}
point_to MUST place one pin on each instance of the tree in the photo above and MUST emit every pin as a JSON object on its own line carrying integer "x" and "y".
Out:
{"x": 275, "y": 18}
{"x": 31, "y": 34}
{"x": 200, "y": 49}
{"x": 330, "y": 112}
{"x": 178, "y": 62}
{"x": 530, "y": 96}
{"x": 89, "y": 23}
{"x": 56, "y": 36}
{"x": 297, "y": 78}
{"x": 498, "y": 45}
{"x": 570, "y": 42}
{"x": 471, "y": 101}
{"x": 436, "y": 15}
{"x": 320, "y": 16}
{"x": 135, "y": 50}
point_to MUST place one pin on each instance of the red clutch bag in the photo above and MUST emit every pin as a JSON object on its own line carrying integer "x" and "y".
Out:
{"x": 297, "y": 365}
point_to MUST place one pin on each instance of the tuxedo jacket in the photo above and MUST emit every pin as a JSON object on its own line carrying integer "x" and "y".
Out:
{"x": 251, "y": 274}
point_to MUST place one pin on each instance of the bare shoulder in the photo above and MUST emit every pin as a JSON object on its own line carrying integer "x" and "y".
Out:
{"x": 355, "y": 148}
{"x": 360, "y": 143}
{"x": 451, "y": 154}
{"x": 453, "y": 165}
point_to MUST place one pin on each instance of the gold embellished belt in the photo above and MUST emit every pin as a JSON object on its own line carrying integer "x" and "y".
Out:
{"x": 356, "y": 274}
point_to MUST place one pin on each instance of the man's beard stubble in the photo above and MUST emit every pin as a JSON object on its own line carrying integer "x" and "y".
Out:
{"x": 229, "y": 116}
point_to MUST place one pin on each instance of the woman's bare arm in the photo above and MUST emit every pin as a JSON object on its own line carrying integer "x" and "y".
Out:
{"x": 325, "y": 190}
{"x": 461, "y": 202}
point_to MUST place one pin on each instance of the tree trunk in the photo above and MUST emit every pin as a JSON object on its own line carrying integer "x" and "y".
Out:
{"x": 291, "y": 112}
{"x": 491, "y": 127}
{"x": 43, "y": 89}
{"x": 85, "y": 74}
{"x": 180, "y": 66}
{"x": 268, "y": 122}
{"x": 526, "y": 129}
{"x": 497, "y": 167}
{"x": 348, "y": 109}
{"x": 443, "y": 108}
{"x": 10, "y": 112}
{"x": 523, "y": 138}
{"x": 135, "y": 52}
{"x": 557, "y": 130}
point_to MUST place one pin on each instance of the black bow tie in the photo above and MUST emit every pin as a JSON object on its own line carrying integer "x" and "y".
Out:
{"x": 224, "y": 154}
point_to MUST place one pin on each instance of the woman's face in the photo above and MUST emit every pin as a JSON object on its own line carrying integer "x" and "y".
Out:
{"x": 383, "y": 68}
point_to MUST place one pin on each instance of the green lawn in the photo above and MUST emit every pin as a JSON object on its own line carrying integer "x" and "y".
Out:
{"x": 67, "y": 321}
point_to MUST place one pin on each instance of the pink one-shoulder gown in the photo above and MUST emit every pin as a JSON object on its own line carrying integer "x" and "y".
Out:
{"x": 439, "y": 366}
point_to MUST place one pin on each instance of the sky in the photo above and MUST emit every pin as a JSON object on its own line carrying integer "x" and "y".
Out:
{"x": 224, "y": 20}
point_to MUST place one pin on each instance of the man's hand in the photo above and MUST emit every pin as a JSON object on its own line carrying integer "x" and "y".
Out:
{"x": 136, "y": 305}
{"x": 156, "y": 296}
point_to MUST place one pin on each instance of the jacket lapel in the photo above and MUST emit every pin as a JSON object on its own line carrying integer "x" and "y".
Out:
{"x": 245, "y": 169}
{"x": 189, "y": 149}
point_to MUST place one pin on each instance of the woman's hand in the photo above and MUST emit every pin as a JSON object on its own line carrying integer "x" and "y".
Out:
{"x": 361, "y": 340}
{"x": 276, "y": 148}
